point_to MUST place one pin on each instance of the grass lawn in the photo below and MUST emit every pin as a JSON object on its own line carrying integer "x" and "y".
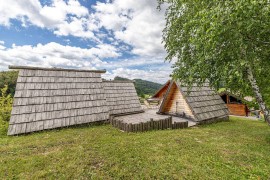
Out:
{"x": 238, "y": 149}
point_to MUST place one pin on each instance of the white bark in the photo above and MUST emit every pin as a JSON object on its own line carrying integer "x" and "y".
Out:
{"x": 258, "y": 95}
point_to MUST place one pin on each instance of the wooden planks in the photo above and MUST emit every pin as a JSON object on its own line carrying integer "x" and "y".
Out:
{"x": 145, "y": 122}
{"x": 237, "y": 109}
{"x": 178, "y": 104}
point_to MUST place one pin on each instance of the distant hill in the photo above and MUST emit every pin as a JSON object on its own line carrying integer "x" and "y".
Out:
{"x": 143, "y": 87}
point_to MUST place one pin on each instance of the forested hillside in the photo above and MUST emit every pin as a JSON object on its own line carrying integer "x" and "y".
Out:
{"x": 143, "y": 87}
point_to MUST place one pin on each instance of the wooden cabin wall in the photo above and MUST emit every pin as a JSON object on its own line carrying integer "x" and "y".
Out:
{"x": 176, "y": 104}
{"x": 234, "y": 105}
{"x": 237, "y": 109}
{"x": 169, "y": 100}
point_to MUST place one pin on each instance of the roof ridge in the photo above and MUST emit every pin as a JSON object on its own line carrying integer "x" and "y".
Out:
{"x": 55, "y": 69}
{"x": 119, "y": 81}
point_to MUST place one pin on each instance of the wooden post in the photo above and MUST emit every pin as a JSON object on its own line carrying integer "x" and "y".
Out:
{"x": 141, "y": 127}
{"x": 151, "y": 123}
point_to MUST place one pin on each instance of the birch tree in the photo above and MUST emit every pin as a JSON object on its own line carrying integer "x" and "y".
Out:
{"x": 220, "y": 40}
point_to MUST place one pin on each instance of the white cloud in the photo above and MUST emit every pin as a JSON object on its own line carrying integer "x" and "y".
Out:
{"x": 1, "y": 45}
{"x": 160, "y": 76}
{"x": 147, "y": 63}
{"x": 137, "y": 23}
{"x": 54, "y": 54}
{"x": 131, "y": 27}
{"x": 64, "y": 18}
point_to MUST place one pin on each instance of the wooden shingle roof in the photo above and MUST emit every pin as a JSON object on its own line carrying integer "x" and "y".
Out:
{"x": 51, "y": 98}
{"x": 121, "y": 97}
{"x": 204, "y": 102}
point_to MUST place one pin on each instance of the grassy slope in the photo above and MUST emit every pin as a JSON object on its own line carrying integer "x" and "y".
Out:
{"x": 238, "y": 149}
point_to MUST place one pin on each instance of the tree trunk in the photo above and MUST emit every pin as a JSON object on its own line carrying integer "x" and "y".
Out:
{"x": 258, "y": 95}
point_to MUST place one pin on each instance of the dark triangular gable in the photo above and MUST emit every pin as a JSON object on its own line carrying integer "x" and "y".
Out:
{"x": 163, "y": 88}
{"x": 238, "y": 98}
{"x": 204, "y": 102}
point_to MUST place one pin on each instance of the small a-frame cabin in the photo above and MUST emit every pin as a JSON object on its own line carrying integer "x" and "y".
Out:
{"x": 235, "y": 104}
{"x": 159, "y": 95}
{"x": 200, "y": 104}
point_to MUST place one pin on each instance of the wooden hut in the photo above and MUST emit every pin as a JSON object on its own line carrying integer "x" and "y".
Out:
{"x": 121, "y": 97}
{"x": 159, "y": 95}
{"x": 200, "y": 104}
{"x": 234, "y": 103}
{"x": 48, "y": 98}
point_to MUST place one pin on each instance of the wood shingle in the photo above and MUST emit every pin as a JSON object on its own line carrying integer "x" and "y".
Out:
{"x": 48, "y": 98}
{"x": 121, "y": 97}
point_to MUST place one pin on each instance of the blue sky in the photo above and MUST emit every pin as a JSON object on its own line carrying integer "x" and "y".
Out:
{"x": 123, "y": 37}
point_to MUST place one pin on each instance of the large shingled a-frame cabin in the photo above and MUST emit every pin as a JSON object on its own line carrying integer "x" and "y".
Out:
{"x": 48, "y": 98}
{"x": 200, "y": 104}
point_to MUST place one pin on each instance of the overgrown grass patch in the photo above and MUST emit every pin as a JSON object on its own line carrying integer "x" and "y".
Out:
{"x": 238, "y": 149}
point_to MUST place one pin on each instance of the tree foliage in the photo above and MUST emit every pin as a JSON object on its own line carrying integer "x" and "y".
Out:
{"x": 219, "y": 41}
{"x": 9, "y": 78}
{"x": 5, "y": 104}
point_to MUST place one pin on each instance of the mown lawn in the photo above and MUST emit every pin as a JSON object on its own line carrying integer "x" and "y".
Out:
{"x": 238, "y": 149}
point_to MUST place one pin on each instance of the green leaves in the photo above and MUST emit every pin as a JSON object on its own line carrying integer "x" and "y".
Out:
{"x": 8, "y": 78}
{"x": 5, "y": 104}
{"x": 217, "y": 40}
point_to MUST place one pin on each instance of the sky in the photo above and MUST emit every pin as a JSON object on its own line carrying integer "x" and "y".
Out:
{"x": 122, "y": 36}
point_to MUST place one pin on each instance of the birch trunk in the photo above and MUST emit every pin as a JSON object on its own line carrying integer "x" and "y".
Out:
{"x": 258, "y": 95}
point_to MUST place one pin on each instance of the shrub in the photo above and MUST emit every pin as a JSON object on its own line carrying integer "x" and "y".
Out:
{"x": 5, "y": 104}
{"x": 9, "y": 78}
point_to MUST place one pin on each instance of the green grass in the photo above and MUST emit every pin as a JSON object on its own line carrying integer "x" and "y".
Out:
{"x": 238, "y": 149}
